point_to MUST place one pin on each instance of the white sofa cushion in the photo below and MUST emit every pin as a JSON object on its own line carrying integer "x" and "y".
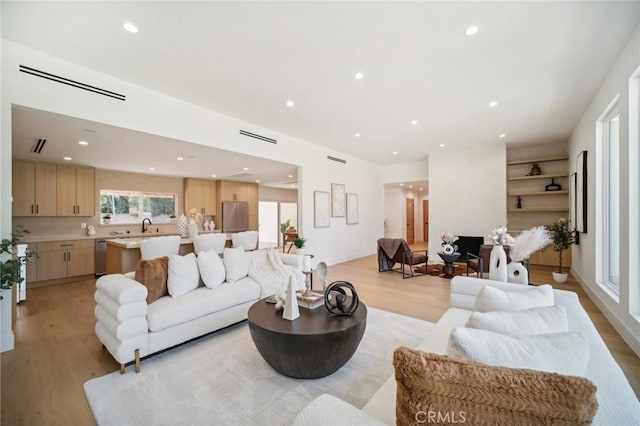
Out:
{"x": 121, "y": 330}
{"x": 494, "y": 299}
{"x": 168, "y": 311}
{"x": 120, "y": 312}
{"x": 563, "y": 353}
{"x": 183, "y": 274}
{"x": 122, "y": 289}
{"x": 211, "y": 268}
{"x": 236, "y": 264}
{"x": 529, "y": 322}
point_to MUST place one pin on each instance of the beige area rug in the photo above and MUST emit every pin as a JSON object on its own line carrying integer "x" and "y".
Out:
{"x": 221, "y": 379}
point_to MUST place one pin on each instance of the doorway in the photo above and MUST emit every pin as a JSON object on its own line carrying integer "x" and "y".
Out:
{"x": 425, "y": 221}
{"x": 410, "y": 221}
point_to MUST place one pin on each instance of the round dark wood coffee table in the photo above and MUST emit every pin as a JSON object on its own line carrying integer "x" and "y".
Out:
{"x": 313, "y": 345}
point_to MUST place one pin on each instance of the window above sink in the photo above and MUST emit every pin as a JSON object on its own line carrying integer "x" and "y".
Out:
{"x": 129, "y": 207}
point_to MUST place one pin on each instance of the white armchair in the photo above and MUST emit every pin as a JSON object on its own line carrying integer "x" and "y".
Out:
{"x": 206, "y": 242}
{"x": 152, "y": 248}
{"x": 247, "y": 240}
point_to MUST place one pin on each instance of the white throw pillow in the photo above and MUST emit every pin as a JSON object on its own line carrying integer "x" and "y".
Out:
{"x": 183, "y": 274}
{"x": 211, "y": 268}
{"x": 530, "y": 322}
{"x": 563, "y": 353}
{"x": 494, "y": 299}
{"x": 236, "y": 263}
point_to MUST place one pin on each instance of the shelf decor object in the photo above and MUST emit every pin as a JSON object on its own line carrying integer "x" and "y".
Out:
{"x": 321, "y": 207}
{"x": 553, "y": 186}
{"x": 337, "y": 200}
{"x": 581, "y": 193}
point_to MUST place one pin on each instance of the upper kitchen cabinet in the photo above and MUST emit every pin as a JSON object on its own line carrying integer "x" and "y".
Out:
{"x": 75, "y": 191}
{"x": 200, "y": 194}
{"x": 34, "y": 189}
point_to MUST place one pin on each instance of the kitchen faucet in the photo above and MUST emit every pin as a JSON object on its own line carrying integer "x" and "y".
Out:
{"x": 144, "y": 227}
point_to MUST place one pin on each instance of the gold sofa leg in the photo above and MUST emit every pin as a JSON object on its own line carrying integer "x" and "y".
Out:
{"x": 121, "y": 368}
{"x": 137, "y": 360}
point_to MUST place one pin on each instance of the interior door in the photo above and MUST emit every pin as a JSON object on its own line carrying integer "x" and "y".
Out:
{"x": 410, "y": 221}
{"x": 425, "y": 220}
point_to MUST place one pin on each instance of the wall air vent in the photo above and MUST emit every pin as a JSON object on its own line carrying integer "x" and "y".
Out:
{"x": 255, "y": 136}
{"x": 38, "y": 146}
{"x": 339, "y": 160}
{"x": 242, "y": 175}
{"x": 72, "y": 83}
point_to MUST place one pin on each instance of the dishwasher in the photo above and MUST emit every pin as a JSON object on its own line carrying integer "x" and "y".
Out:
{"x": 101, "y": 257}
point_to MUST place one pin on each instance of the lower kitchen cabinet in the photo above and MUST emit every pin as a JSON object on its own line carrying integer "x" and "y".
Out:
{"x": 64, "y": 259}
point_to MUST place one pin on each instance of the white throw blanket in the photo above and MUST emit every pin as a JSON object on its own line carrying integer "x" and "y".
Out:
{"x": 266, "y": 268}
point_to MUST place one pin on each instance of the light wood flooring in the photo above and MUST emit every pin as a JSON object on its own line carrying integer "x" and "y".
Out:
{"x": 57, "y": 350}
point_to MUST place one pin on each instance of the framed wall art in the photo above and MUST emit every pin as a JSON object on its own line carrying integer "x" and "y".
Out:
{"x": 321, "y": 206}
{"x": 337, "y": 200}
{"x": 581, "y": 193}
{"x": 573, "y": 204}
{"x": 352, "y": 209}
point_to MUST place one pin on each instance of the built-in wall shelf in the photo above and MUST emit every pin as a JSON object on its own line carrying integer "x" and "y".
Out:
{"x": 537, "y": 160}
{"x": 549, "y": 176}
{"x": 524, "y": 194}
{"x": 539, "y": 209}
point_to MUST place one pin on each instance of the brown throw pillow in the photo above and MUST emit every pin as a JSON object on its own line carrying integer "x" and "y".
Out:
{"x": 436, "y": 389}
{"x": 153, "y": 274}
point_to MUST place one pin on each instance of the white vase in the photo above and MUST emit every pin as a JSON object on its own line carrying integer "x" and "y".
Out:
{"x": 182, "y": 226}
{"x": 517, "y": 273}
{"x": 498, "y": 264}
{"x": 205, "y": 225}
{"x": 560, "y": 277}
{"x": 193, "y": 228}
{"x": 291, "y": 310}
{"x": 212, "y": 225}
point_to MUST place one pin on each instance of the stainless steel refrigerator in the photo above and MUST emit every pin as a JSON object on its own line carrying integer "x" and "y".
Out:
{"x": 235, "y": 216}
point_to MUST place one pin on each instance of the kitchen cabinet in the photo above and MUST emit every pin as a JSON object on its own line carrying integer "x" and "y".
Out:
{"x": 63, "y": 259}
{"x": 75, "y": 189}
{"x": 33, "y": 189}
{"x": 201, "y": 195}
{"x": 32, "y": 265}
{"x": 240, "y": 191}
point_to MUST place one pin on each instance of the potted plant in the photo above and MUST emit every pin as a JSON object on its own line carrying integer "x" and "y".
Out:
{"x": 106, "y": 219}
{"x": 562, "y": 237}
{"x": 10, "y": 265}
{"x": 299, "y": 242}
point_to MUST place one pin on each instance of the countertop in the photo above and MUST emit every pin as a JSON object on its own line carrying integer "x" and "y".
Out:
{"x": 110, "y": 236}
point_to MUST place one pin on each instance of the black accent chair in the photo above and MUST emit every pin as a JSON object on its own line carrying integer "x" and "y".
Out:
{"x": 469, "y": 249}
{"x": 396, "y": 250}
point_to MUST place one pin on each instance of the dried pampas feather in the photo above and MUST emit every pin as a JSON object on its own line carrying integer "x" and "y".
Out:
{"x": 528, "y": 242}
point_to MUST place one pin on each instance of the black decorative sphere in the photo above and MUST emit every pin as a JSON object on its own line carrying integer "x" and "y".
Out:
{"x": 337, "y": 295}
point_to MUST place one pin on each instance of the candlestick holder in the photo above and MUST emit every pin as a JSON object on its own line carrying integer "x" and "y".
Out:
{"x": 307, "y": 283}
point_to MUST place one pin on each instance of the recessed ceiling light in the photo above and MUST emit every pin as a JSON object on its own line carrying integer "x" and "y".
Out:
{"x": 471, "y": 30}
{"x": 130, "y": 27}
{"x": 502, "y": 135}
{"x": 179, "y": 158}
{"x": 214, "y": 176}
{"x": 414, "y": 122}
{"x": 357, "y": 135}
{"x": 289, "y": 176}
{"x": 257, "y": 180}
{"x": 402, "y": 184}
{"x": 410, "y": 186}
{"x": 359, "y": 76}
{"x": 493, "y": 104}
{"x": 291, "y": 104}
{"x": 245, "y": 168}
{"x": 67, "y": 158}
{"x": 152, "y": 168}
{"x": 441, "y": 145}
{"x": 421, "y": 189}
{"x": 395, "y": 152}
{"x": 83, "y": 143}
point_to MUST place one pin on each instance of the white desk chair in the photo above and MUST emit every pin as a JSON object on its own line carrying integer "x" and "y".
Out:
{"x": 206, "y": 242}
{"x": 152, "y": 248}
{"x": 247, "y": 240}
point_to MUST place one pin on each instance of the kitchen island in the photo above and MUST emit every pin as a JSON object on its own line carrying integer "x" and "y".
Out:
{"x": 124, "y": 253}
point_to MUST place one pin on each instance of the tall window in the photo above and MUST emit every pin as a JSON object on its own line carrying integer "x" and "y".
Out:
{"x": 609, "y": 140}
{"x": 133, "y": 206}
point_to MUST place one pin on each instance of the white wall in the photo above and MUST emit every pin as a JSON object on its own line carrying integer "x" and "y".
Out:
{"x": 406, "y": 172}
{"x": 584, "y": 138}
{"x": 156, "y": 113}
{"x": 267, "y": 193}
{"x": 467, "y": 192}
{"x": 394, "y": 212}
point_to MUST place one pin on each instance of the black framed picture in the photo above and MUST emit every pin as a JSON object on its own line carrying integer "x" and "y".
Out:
{"x": 581, "y": 193}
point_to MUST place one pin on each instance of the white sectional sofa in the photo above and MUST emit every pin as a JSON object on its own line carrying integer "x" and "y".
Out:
{"x": 617, "y": 403}
{"x": 130, "y": 329}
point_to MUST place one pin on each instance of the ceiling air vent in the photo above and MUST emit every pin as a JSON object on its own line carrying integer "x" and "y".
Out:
{"x": 38, "y": 146}
{"x": 72, "y": 83}
{"x": 242, "y": 175}
{"x": 339, "y": 160}
{"x": 256, "y": 136}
